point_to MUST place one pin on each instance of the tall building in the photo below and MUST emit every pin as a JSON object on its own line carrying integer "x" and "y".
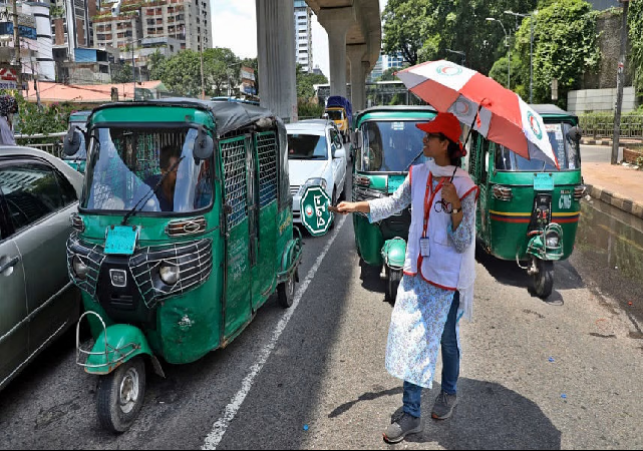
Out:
{"x": 186, "y": 21}
{"x": 72, "y": 26}
{"x": 378, "y": 70}
{"x": 169, "y": 25}
{"x": 35, "y": 42}
{"x": 304, "y": 35}
{"x": 394, "y": 62}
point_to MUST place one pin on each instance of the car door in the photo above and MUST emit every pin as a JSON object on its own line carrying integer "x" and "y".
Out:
{"x": 14, "y": 332}
{"x": 40, "y": 204}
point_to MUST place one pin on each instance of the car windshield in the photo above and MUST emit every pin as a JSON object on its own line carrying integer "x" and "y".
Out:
{"x": 127, "y": 164}
{"x": 390, "y": 146}
{"x": 336, "y": 115}
{"x": 567, "y": 152}
{"x": 307, "y": 147}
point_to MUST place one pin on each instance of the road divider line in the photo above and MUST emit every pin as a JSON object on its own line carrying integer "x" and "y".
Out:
{"x": 221, "y": 426}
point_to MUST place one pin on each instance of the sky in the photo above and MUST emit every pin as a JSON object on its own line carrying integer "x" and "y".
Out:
{"x": 235, "y": 27}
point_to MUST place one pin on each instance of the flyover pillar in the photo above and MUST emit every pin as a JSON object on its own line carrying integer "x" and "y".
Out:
{"x": 277, "y": 65}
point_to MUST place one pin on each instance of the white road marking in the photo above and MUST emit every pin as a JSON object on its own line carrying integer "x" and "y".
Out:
{"x": 221, "y": 426}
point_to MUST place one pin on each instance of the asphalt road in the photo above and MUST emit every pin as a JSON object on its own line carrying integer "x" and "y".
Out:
{"x": 325, "y": 372}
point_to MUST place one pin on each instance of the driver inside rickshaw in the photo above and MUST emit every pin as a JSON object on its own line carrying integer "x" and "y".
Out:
{"x": 169, "y": 157}
{"x": 373, "y": 159}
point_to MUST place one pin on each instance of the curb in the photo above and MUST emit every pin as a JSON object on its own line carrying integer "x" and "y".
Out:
{"x": 599, "y": 142}
{"x": 616, "y": 200}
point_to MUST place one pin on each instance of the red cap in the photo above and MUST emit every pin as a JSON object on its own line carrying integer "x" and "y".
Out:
{"x": 448, "y": 125}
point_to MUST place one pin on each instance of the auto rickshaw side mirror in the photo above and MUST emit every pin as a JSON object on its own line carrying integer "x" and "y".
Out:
{"x": 575, "y": 134}
{"x": 357, "y": 139}
{"x": 72, "y": 142}
{"x": 204, "y": 146}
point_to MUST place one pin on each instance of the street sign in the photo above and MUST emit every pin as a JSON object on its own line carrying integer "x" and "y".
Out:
{"x": 315, "y": 214}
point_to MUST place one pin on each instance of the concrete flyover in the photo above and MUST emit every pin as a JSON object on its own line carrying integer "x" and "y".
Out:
{"x": 355, "y": 36}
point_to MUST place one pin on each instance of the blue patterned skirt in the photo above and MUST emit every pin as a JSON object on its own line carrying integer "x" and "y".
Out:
{"x": 420, "y": 314}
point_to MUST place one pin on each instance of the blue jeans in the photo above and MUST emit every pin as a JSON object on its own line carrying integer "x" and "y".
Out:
{"x": 450, "y": 361}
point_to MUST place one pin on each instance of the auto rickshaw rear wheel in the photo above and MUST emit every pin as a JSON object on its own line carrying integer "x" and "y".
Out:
{"x": 286, "y": 292}
{"x": 543, "y": 280}
{"x": 121, "y": 395}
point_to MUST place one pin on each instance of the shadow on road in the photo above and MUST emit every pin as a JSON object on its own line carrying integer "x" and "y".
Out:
{"x": 489, "y": 416}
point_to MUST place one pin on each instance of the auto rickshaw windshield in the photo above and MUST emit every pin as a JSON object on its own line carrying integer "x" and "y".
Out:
{"x": 127, "y": 164}
{"x": 566, "y": 150}
{"x": 390, "y": 146}
{"x": 335, "y": 115}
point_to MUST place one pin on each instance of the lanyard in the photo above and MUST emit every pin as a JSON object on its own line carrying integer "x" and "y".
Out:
{"x": 429, "y": 198}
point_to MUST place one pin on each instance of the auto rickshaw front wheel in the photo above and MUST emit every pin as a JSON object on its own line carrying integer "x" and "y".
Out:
{"x": 286, "y": 292}
{"x": 121, "y": 395}
{"x": 393, "y": 278}
{"x": 543, "y": 280}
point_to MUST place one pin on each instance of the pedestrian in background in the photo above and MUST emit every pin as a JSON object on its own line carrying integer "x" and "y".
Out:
{"x": 439, "y": 273}
{"x": 8, "y": 107}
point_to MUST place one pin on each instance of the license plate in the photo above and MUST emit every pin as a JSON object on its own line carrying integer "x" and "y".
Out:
{"x": 121, "y": 240}
{"x": 544, "y": 182}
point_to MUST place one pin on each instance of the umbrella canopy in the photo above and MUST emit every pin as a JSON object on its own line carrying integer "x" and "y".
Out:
{"x": 499, "y": 114}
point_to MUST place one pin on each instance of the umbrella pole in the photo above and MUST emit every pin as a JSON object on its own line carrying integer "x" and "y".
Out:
{"x": 469, "y": 133}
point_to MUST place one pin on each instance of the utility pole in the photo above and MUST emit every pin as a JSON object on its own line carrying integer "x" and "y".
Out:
{"x": 531, "y": 63}
{"x": 620, "y": 82}
{"x": 133, "y": 75}
{"x": 16, "y": 44}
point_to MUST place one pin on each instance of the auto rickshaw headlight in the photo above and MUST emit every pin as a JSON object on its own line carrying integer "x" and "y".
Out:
{"x": 80, "y": 268}
{"x": 553, "y": 241}
{"x": 170, "y": 274}
{"x": 317, "y": 181}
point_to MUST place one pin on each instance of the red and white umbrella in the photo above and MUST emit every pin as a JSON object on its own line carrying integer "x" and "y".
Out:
{"x": 500, "y": 114}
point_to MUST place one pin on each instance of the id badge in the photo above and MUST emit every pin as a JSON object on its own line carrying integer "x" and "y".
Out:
{"x": 425, "y": 247}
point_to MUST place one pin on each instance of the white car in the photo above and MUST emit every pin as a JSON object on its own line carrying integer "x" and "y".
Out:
{"x": 316, "y": 156}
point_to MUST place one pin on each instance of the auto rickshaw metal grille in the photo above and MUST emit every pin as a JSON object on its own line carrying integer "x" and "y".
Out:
{"x": 234, "y": 167}
{"x": 92, "y": 256}
{"x": 193, "y": 260}
{"x": 267, "y": 151}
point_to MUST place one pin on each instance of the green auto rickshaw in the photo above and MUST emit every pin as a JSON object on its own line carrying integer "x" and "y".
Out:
{"x": 184, "y": 231}
{"x": 387, "y": 144}
{"x": 529, "y": 211}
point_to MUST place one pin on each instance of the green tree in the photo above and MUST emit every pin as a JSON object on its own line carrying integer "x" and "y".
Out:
{"x": 306, "y": 82}
{"x": 565, "y": 47}
{"x": 635, "y": 19}
{"x": 404, "y": 23}
{"x": 388, "y": 75}
{"x": 182, "y": 74}
{"x": 122, "y": 74}
{"x": 223, "y": 68}
{"x": 423, "y": 30}
{"x": 156, "y": 65}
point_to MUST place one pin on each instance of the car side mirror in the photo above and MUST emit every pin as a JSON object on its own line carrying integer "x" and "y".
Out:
{"x": 72, "y": 141}
{"x": 340, "y": 153}
{"x": 575, "y": 134}
{"x": 204, "y": 146}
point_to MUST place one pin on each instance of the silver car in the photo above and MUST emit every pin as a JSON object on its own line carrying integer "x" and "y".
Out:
{"x": 38, "y": 195}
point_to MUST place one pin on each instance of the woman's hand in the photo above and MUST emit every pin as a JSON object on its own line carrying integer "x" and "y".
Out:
{"x": 351, "y": 207}
{"x": 450, "y": 195}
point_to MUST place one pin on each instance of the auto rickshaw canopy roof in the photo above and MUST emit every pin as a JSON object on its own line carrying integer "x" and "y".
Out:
{"x": 228, "y": 116}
